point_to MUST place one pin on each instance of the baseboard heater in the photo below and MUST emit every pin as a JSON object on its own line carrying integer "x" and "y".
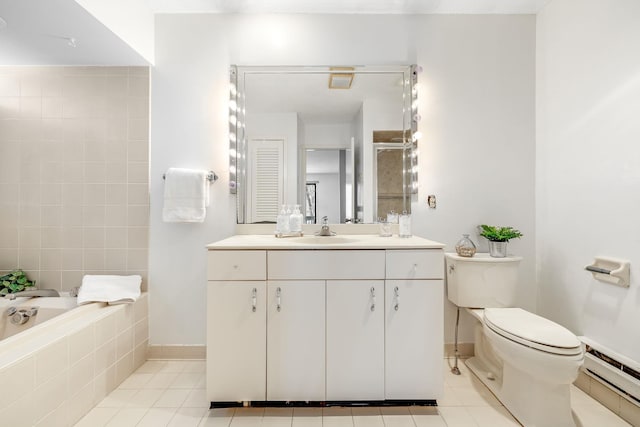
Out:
{"x": 614, "y": 370}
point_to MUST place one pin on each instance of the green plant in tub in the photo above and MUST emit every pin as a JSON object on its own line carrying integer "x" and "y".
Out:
{"x": 15, "y": 281}
{"x": 499, "y": 234}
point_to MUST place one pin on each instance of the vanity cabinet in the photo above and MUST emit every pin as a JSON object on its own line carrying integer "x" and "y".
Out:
{"x": 236, "y": 319}
{"x": 413, "y": 349}
{"x": 413, "y": 324}
{"x": 236, "y": 341}
{"x": 296, "y": 340}
{"x": 325, "y": 324}
{"x": 355, "y": 344}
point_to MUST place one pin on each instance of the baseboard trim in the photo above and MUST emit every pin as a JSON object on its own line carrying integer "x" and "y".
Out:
{"x": 177, "y": 352}
{"x": 465, "y": 349}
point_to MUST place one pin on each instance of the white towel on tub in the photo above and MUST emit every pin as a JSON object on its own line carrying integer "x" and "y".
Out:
{"x": 186, "y": 195}
{"x": 110, "y": 289}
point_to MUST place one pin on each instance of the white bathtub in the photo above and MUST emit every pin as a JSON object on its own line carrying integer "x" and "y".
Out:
{"x": 48, "y": 308}
{"x": 68, "y": 359}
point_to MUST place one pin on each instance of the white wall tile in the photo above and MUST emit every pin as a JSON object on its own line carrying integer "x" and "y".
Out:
{"x": 50, "y": 361}
{"x": 49, "y": 395}
{"x": 18, "y": 377}
{"x": 82, "y": 373}
{"x": 105, "y": 342}
{"x": 124, "y": 343}
{"x": 81, "y": 343}
{"x": 68, "y": 128}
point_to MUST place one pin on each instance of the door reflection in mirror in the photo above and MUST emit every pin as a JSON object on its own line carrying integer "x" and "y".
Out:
{"x": 330, "y": 171}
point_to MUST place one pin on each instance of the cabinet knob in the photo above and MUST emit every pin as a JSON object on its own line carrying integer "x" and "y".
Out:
{"x": 254, "y": 300}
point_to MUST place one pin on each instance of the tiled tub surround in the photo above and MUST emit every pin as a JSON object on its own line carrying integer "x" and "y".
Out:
{"x": 74, "y": 180}
{"x": 56, "y": 372}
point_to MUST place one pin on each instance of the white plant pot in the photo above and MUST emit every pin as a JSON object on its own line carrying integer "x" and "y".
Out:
{"x": 498, "y": 249}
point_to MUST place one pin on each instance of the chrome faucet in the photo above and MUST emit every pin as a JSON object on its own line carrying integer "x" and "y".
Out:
{"x": 34, "y": 293}
{"x": 325, "y": 231}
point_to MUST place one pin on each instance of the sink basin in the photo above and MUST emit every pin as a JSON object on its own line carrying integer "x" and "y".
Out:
{"x": 322, "y": 240}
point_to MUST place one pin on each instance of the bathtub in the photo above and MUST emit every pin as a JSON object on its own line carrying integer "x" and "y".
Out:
{"x": 67, "y": 358}
{"x": 47, "y": 308}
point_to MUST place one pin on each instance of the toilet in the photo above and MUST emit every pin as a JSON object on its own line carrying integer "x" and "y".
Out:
{"x": 527, "y": 361}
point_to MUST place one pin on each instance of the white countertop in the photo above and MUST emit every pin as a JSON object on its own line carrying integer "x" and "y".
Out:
{"x": 346, "y": 241}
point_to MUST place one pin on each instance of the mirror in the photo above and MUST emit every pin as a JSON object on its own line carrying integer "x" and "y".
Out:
{"x": 338, "y": 141}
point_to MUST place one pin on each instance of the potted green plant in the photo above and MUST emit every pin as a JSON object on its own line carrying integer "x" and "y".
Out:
{"x": 15, "y": 281}
{"x": 498, "y": 238}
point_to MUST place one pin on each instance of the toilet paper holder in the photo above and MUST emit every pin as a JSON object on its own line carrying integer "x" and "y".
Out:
{"x": 610, "y": 270}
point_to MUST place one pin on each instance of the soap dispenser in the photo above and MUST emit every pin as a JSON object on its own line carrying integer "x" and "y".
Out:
{"x": 282, "y": 224}
{"x": 296, "y": 220}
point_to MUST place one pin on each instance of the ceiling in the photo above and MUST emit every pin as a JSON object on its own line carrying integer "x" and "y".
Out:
{"x": 39, "y": 32}
{"x": 351, "y": 6}
{"x": 308, "y": 95}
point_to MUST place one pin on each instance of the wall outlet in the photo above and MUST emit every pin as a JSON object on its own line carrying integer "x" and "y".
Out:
{"x": 431, "y": 201}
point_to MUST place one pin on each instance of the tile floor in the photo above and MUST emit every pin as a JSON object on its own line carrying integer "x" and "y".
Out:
{"x": 171, "y": 393}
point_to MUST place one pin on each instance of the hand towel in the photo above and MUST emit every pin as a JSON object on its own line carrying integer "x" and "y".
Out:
{"x": 186, "y": 195}
{"x": 110, "y": 289}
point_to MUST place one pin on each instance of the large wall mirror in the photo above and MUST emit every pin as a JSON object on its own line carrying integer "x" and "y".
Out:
{"x": 339, "y": 142}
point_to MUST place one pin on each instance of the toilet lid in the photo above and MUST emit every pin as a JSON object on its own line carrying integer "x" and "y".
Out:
{"x": 531, "y": 330}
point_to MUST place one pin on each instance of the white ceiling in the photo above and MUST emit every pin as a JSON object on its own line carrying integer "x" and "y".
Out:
{"x": 37, "y": 32}
{"x": 309, "y": 95}
{"x": 351, "y": 6}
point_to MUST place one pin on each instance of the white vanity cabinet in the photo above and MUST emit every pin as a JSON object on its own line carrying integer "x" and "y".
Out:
{"x": 358, "y": 322}
{"x": 355, "y": 342}
{"x": 296, "y": 340}
{"x": 413, "y": 324}
{"x": 236, "y": 332}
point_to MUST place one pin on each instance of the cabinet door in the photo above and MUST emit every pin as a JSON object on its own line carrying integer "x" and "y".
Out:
{"x": 414, "y": 339}
{"x": 296, "y": 343}
{"x": 355, "y": 340}
{"x": 236, "y": 341}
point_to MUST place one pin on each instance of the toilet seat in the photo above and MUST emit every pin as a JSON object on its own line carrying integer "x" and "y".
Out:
{"x": 533, "y": 331}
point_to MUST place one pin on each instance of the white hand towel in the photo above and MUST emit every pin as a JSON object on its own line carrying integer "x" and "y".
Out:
{"x": 111, "y": 289}
{"x": 186, "y": 195}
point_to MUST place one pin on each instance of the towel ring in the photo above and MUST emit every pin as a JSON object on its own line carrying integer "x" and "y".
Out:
{"x": 211, "y": 176}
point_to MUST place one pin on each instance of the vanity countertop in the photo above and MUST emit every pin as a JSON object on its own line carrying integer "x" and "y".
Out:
{"x": 346, "y": 241}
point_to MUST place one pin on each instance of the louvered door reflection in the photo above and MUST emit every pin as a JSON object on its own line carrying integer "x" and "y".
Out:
{"x": 265, "y": 179}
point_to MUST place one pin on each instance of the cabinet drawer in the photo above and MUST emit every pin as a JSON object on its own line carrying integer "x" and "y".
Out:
{"x": 326, "y": 264}
{"x": 415, "y": 264}
{"x": 237, "y": 265}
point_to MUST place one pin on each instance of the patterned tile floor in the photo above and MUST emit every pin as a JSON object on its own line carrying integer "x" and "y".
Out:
{"x": 171, "y": 393}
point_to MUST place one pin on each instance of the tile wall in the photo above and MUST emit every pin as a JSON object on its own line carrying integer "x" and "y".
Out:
{"x": 74, "y": 166}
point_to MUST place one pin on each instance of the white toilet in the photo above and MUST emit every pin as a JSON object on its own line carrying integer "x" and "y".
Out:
{"x": 527, "y": 361}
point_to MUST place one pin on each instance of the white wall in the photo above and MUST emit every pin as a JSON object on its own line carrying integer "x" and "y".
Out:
{"x": 327, "y": 196}
{"x": 588, "y": 165}
{"x": 327, "y": 135}
{"x": 478, "y": 119}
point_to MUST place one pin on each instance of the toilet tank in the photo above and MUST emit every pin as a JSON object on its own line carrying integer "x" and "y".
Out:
{"x": 482, "y": 281}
